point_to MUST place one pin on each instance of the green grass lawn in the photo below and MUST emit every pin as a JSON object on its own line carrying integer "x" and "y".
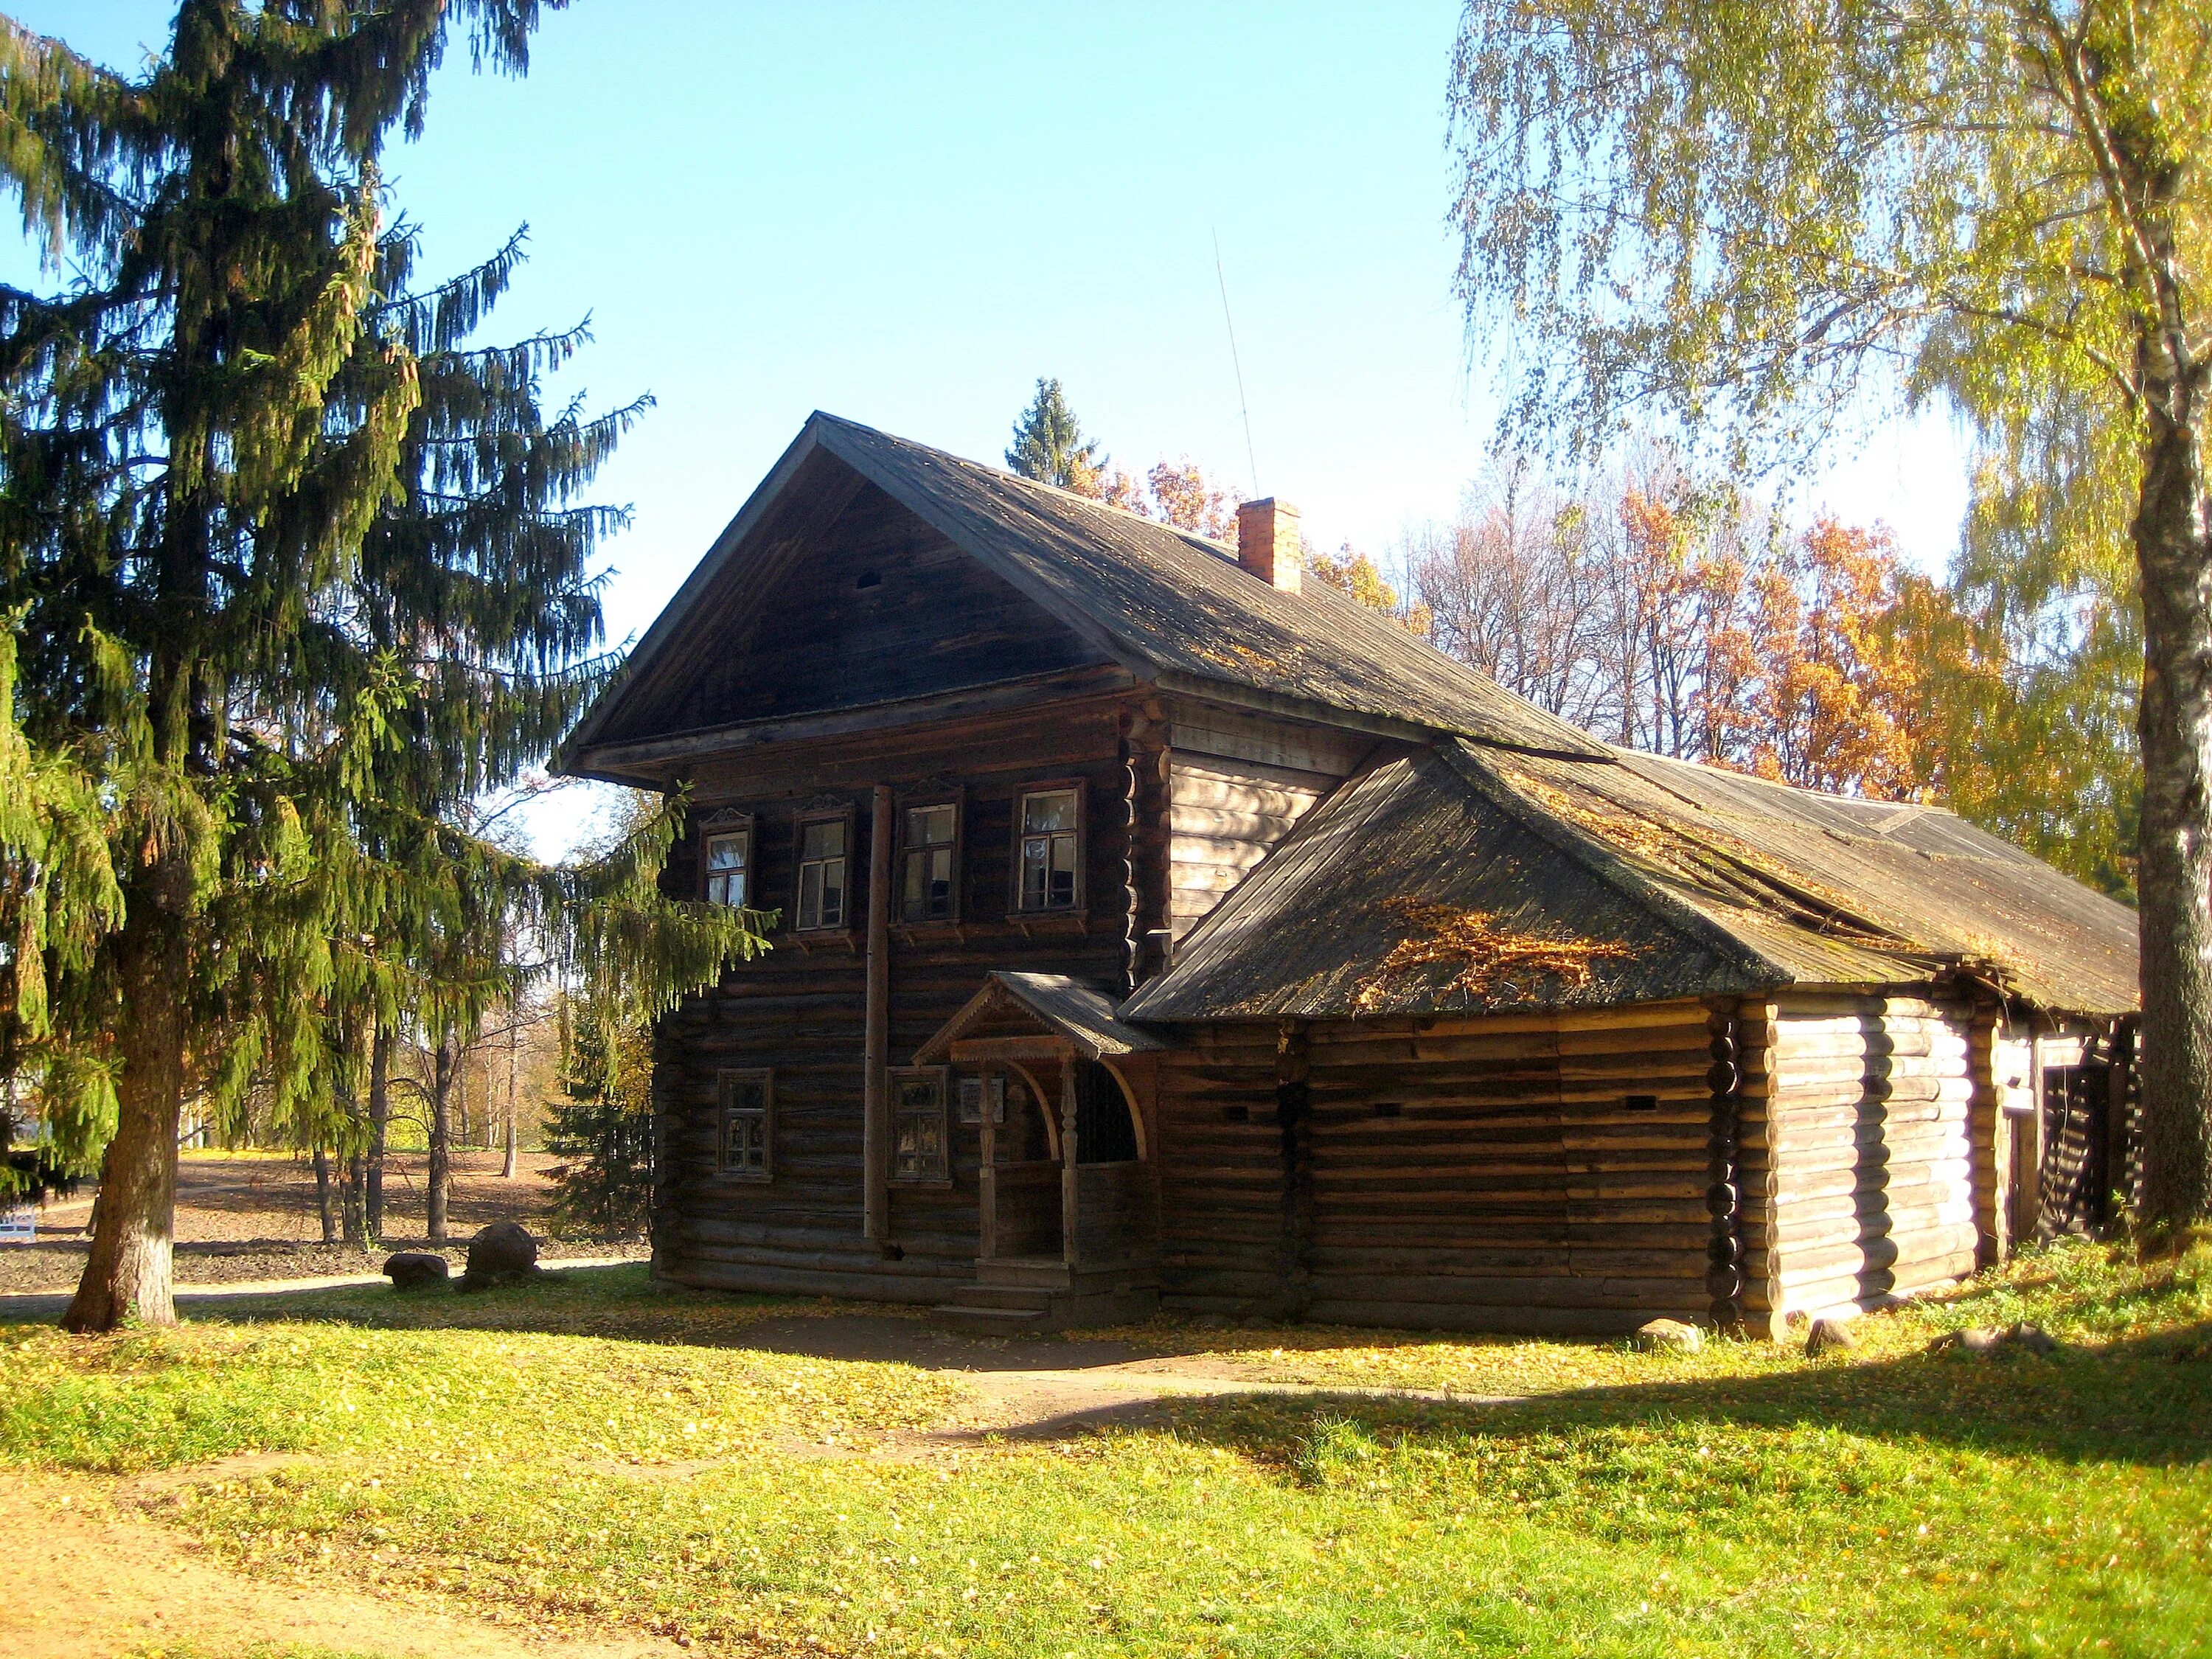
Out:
{"x": 611, "y": 1453}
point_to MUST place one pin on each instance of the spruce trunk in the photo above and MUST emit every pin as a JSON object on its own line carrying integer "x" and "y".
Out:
{"x": 379, "y": 1117}
{"x": 349, "y": 1207}
{"x": 2173, "y": 548}
{"x": 324, "y": 1205}
{"x": 127, "y": 1275}
{"x": 444, "y": 1067}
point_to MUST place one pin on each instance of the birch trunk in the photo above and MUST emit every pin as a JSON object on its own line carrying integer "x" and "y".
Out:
{"x": 2173, "y": 536}
{"x": 2173, "y": 549}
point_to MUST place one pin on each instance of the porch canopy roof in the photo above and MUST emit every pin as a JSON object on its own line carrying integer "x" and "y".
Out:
{"x": 1038, "y": 1013}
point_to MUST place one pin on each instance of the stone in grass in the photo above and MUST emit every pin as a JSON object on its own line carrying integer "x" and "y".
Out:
{"x": 1828, "y": 1336}
{"x": 417, "y": 1270}
{"x": 502, "y": 1254}
{"x": 1667, "y": 1336}
{"x": 1991, "y": 1340}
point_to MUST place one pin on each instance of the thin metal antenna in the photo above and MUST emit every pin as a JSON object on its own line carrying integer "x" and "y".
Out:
{"x": 1243, "y": 403}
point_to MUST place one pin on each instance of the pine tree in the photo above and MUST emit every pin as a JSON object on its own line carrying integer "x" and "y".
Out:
{"x": 295, "y": 574}
{"x": 1049, "y": 446}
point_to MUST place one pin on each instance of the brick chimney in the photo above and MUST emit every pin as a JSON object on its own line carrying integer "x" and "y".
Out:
{"x": 1268, "y": 542}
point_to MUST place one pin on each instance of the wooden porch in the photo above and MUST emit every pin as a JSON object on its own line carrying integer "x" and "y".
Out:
{"x": 1069, "y": 1237}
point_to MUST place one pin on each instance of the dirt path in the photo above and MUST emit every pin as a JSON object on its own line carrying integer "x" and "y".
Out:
{"x": 1022, "y": 1389}
{"x": 82, "y": 1579}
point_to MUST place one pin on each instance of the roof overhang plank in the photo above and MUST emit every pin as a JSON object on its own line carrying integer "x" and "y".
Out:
{"x": 612, "y": 760}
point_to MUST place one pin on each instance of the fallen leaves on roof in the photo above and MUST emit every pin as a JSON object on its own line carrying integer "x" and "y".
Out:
{"x": 1489, "y": 957}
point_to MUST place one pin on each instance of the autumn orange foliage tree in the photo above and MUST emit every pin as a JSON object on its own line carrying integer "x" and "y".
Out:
{"x": 1679, "y": 620}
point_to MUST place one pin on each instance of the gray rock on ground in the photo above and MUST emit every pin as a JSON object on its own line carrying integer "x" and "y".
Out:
{"x": 1987, "y": 1340}
{"x": 502, "y": 1254}
{"x": 1829, "y": 1336}
{"x": 1667, "y": 1336}
{"x": 417, "y": 1270}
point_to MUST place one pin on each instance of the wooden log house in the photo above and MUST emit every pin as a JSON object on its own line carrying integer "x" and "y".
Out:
{"x": 1100, "y": 859}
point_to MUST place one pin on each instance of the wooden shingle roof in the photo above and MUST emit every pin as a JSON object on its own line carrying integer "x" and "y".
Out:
{"x": 1713, "y": 884}
{"x": 1174, "y": 607}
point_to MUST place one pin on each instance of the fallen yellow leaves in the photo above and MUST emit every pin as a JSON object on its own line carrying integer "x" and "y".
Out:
{"x": 1488, "y": 957}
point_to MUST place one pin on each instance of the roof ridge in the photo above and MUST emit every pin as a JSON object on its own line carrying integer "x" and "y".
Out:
{"x": 1667, "y": 907}
{"x": 1223, "y": 549}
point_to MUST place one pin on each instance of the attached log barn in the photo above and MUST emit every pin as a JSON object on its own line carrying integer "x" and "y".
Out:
{"x": 1151, "y": 928}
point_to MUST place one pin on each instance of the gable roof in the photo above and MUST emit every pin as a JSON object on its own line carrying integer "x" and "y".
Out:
{"x": 1711, "y": 883}
{"x": 1166, "y": 604}
{"x": 1068, "y": 1008}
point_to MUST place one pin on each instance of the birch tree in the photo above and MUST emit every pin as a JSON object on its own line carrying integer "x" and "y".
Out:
{"x": 1748, "y": 215}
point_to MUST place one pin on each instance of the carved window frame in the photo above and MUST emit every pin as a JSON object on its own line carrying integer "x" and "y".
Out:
{"x": 724, "y": 827}
{"x": 927, "y": 1113}
{"x": 759, "y": 1163}
{"x": 908, "y": 851}
{"x": 1022, "y": 796}
{"x": 848, "y": 820}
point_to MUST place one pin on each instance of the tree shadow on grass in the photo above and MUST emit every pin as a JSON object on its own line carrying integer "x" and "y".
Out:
{"x": 2144, "y": 1401}
{"x": 622, "y": 1303}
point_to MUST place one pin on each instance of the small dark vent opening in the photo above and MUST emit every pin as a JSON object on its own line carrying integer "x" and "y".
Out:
{"x": 1644, "y": 1103}
{"x": 1388, "y": 1109}
{"x": 1238, "y": 1114}
{"x": 869, "y": 578}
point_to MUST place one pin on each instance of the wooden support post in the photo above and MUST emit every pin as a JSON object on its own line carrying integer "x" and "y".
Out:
{"x": 1724, "y": 1167}
{"x": 875, "y": 1134}
{"x": 986, "y": 1177}
{"x": 1070, "y": 1192}
{"x": 1294, "y": 1112}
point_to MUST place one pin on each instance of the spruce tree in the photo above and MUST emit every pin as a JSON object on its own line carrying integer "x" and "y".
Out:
{"x": 295, "y": 573}
{"x": 602, "y": 1126}
{"x": 1049, "y": 446}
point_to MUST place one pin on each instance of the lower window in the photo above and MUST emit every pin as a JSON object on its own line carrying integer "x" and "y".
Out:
{"x": 745, "y": 1138}
{"x": 921, "y": 1147}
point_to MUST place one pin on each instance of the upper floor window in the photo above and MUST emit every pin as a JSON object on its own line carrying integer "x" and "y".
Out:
{"x": 930, "y": 890}
{"x": 823, "y": 845}
{"x": 729, "y": 868}
{"x": 1049, "y": 861}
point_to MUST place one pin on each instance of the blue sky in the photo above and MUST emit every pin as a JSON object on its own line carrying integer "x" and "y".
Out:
{"x": 905, "y": 213}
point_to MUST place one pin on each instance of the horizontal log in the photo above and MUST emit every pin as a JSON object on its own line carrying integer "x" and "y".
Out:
{"x": 1499, "y": 1321}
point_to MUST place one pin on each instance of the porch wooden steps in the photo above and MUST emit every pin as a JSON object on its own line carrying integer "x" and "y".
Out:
{"x": 1012, "y": 1295}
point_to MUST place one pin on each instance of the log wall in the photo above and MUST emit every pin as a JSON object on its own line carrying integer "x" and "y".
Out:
{"x": 799, "y": 1009}
{"x": 1858, "y": 1154}
{"x": 1540, "y": 1174}
{"x": 1237, "y": 784}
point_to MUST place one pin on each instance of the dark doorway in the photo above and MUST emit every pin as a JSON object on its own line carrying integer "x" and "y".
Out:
{"x": 1103, "y": 1131}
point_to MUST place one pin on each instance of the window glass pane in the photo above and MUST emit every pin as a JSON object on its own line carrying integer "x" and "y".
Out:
{"x": 1034, "y": 851}
{"x": 833, "y": 893}
{"x": 824, "y": 840}
{"x": 929, "y": 826}
{"x": 940, "y": 882}
{"x": 726, "y": 859}
{"x": 1062, "y": 885}
{"x": 1054, "y": 810}
{"x": 748, "y": 1142}
{"x": 747, "y": 1093}
{"x": 809, "y": 896}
